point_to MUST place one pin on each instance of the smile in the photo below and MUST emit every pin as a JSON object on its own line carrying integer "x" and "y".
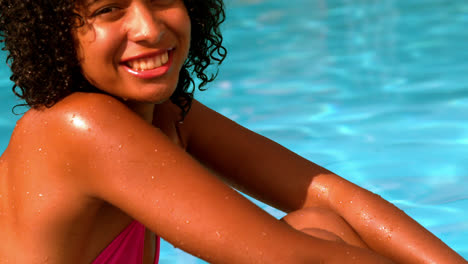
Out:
{"x": 149, "y": 63}
{"x": 151, "y": 66}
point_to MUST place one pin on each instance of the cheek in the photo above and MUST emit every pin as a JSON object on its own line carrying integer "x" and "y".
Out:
{"x": 96, "y": 49}
{"x": 187, "y": 25}
{"x": 182, "y": 26}
{"x": 189, "y": 29}
{"x": 97, "y": 43}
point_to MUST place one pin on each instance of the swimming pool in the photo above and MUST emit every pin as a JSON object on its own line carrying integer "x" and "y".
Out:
{"x": 374, "y": 90}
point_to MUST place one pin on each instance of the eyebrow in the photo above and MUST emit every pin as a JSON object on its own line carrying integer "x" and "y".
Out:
{"x": 90, "y": 2}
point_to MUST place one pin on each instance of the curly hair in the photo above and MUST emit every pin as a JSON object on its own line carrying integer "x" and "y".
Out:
{"x": 38, "y": 34}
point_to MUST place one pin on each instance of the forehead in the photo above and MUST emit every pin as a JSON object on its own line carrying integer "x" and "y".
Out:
{"x": 85, "y": 3}
{"x": 90, "y": 2}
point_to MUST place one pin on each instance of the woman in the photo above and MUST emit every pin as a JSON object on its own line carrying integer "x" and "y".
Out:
{"x": 114, "y": 150}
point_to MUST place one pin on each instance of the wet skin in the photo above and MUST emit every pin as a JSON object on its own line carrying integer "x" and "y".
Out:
{"x": 121, "y": 33}
{"x": 76, "y": 174}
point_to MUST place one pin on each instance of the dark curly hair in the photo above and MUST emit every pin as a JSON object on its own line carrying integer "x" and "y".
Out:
{"x": 43, "y": 59}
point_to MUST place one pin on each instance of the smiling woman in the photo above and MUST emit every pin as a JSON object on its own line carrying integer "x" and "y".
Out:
{"x": 40, "y": 29}
{"x": 115, "y": 153}
{"x": 122, "y": 34}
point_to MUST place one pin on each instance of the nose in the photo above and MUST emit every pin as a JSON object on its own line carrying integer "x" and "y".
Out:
{"x": 143, "y": 25}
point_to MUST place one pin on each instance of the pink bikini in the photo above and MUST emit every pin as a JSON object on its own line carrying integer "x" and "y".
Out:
{"x": 127, "y": 247}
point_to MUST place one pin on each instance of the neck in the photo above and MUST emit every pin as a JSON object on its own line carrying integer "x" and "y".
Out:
{"x": 144, "y": 110}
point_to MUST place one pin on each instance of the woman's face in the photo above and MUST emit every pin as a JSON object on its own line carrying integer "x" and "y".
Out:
{"x": 134, "y": 49}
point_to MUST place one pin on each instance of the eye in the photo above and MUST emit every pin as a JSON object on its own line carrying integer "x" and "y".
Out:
{"x": 108, "y": 13}
{"x": 105, "y": 10}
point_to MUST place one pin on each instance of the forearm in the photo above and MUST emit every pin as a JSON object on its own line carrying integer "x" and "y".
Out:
{"x": 385, "y": 228}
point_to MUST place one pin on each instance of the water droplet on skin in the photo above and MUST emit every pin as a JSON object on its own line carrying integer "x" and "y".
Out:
{"x": 218, "y": 234}
{"x": 27, "y": 193}
{"x": 120, "y": 146}
{"x": 187, "y": 222}
{"x": 40, "y": 149}
{"x": 40, "y": 195}
{"x": 152, "y": 177}
{"x": 155, "y": 150}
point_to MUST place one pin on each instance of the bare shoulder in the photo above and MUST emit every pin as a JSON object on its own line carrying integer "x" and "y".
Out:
{"x": 82, "y": 127}
{"x": 78, "y": 117}
{"x": 89, "y": 106}
{"x": 49, "y": 156}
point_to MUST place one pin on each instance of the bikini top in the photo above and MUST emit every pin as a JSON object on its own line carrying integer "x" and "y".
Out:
{"x": 127, "y": 247}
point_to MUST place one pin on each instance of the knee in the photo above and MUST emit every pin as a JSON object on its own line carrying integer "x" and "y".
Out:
{"x": 312, "y": 217}
{"x": 322, "y": 234}
{"x": 324, "y": 224}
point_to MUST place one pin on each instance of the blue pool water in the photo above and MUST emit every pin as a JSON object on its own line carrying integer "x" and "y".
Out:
{"x": 374, "y": 90}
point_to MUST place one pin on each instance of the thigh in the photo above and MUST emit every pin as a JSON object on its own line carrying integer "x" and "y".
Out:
{"x": 324, "y": 224}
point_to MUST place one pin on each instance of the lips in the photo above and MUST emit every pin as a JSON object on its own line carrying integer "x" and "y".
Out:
{"x": 149, "y": 65}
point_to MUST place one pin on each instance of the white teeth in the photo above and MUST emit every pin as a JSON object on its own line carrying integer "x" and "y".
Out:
{"x": 145, "y": 64}
{"x": 165, "y": 58}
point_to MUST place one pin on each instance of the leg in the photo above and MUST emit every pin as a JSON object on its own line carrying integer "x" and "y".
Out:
{"x": 324, "y": 224}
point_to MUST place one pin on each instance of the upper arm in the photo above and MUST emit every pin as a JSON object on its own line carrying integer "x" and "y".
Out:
{"x": 251, "y": 162}
{"x": 119, "y": 158}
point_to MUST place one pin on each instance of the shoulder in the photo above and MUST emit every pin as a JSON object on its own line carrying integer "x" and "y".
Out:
{"x": 87, "y": 104}
{"x": 77, "y": 126}
{"x": 98, "y": 138}
{"x": 78, "y": 112}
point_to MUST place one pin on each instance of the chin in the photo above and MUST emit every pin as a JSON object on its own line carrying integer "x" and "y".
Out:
{"x": 158, "y": 96}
